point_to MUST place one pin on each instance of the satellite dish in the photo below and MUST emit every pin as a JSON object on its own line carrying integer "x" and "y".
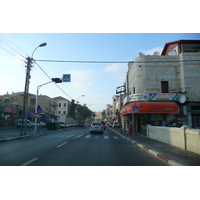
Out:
{"x": 182, "y": 99}
{"x": 141, "y": 54}
{"x": 156, "y": 53}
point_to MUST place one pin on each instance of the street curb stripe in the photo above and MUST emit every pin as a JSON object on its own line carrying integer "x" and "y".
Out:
{"x": 153, "y": 152}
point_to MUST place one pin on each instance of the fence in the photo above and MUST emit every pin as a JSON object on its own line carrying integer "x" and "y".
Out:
{"x": 184, "y": 137}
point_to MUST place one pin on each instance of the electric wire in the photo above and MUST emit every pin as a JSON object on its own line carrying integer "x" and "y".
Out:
{"x": 51, "y": 79}
{"x": 14, "y": 44}
{"x": 11, "y": 53}
{"x": 101, "y": 62}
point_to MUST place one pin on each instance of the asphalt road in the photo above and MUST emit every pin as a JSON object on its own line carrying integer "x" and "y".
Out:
{"x": 75, "y": 148}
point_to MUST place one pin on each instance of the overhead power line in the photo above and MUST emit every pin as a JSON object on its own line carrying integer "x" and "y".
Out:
{"x": 51, "y": 79}
{"x": 99, "y": 62}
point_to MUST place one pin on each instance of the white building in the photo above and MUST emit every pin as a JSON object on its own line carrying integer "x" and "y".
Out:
{"x": 63, "y": 108}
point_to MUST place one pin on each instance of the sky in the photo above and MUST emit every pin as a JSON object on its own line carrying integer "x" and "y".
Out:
{"x": 96, "y": 81}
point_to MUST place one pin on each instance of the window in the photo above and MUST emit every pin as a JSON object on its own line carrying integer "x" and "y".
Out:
{"x": 64, "y": 104}
{"x": 64, "y": 112}
{"x": 33, "y": 101}
{"x": 164, "y": 87}
{"x": 133, "y": 90}
{"x": 59, "y": 105}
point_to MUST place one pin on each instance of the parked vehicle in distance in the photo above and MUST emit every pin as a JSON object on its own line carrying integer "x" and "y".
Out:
{"x": 110, "y": 124}
{"x": 68, "y": 124}
{"x": 115, "y": 125}
{"x": 40, "y": 124}
{"x": 62, "y": 124}
{"x": 29, "y": 124}
{"x": 96, "y": 127}
{"x": 80, "y": 124}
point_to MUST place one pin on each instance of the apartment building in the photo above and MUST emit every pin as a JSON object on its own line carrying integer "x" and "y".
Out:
{"x": 11, "y": 106}
{"x": 63, "y": 108}
{"x": 164, "y": 89}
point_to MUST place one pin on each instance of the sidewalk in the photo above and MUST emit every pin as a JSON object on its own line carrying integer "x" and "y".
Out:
{"x": 172, "y": 155}
{"x": 13, "y": 133}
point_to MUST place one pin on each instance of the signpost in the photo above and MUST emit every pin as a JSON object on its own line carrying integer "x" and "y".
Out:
{"x": 66, "y": 78}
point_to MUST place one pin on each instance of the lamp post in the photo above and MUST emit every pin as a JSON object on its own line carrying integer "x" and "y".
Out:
{"x": 56, "y": 80}
{"x": 77, "y": 108}
{"x": 26, "y": 90}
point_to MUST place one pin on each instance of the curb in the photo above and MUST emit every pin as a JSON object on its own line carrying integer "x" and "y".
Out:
{"x": 152, "y": 152}
{"x": 19, "y": 137}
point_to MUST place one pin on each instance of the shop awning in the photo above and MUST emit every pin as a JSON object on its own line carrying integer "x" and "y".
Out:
{"x": 149, "y": 107}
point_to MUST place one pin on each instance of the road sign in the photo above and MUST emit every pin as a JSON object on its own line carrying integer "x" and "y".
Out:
{"x": 66, "y": 78}
{"x": 135, "y": 109}
{"x": 35, "y": 115}
{"x": 39, "y": 110}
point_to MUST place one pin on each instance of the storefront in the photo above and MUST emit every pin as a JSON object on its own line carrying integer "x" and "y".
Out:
{"x": 8, "y": 116}
{"x": 156, "y": 113}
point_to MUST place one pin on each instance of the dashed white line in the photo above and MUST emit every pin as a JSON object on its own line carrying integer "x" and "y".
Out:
{"x": 30, "y": 161}
{"x": 116, "y": 137}
{"x": 88, "y": 136}
{"x": 78, "y": 136}
{"x": 106, "y": 137}
{"x": 62, "y": 144}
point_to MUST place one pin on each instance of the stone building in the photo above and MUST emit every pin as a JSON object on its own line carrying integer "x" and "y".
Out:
{"x": 164, "y": 89}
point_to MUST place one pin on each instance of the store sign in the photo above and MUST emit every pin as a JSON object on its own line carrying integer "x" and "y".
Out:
{"x": 163, "y": 96}
{"x": 9, "y": 110}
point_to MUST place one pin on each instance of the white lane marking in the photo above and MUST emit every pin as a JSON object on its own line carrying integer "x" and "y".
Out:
{"x": 78, "y": 136}
{"x": 30, "y": 161}
{"x": 88, "y": 136}
{"x": 62, "y": 144}
{"x": 106, "y": 137}
{"x": 116, "y": 137}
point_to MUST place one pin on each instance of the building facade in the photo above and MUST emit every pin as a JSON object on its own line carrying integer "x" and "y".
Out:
{"x": 11, "y": 106}
{"x": 63, "y": 108}
{"x": 164, "y": 89}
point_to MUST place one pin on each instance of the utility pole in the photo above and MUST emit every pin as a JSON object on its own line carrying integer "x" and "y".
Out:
{"x": 25, "y": 96}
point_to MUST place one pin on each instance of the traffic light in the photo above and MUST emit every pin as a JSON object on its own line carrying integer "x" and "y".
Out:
{"x": 56, "y": 80}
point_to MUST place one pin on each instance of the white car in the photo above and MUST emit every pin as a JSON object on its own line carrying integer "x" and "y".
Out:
{"x": 29, "y": 124}
{"x": 62, "y": 124}
{"x": 96, "y": 127}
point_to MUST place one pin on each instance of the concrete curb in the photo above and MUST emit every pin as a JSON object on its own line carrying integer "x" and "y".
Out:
{"x": 152, "y": 152}
{"x": 19, "y": 137}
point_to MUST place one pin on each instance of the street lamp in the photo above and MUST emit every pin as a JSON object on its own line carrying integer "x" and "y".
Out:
{"x": 77, "y": 107}
{"x": 26, "y": 89}
{"x": 56, "y": 80}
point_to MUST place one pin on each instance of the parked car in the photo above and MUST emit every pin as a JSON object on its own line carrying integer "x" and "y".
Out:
{"x": 115, "y": 125}
{"x": 96, "y": 127}
{"x": 110, "y": 124}
{"x": 62, "y": 124}
{"x": 40, "y": 124}
{"x": 29, "y": 124}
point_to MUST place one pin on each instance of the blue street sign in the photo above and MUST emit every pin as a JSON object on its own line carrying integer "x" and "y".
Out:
{"x": 135, "y": 109}
{"x": 66, "y": 78}
{"x": 39, "y": 110}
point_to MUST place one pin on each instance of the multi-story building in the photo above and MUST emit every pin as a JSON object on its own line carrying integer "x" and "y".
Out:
{"x": 164, "y": 89}
{"x": 12, "y": 104}
{"x": 63, "y": 108}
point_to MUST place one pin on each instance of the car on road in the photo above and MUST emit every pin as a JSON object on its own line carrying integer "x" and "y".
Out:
{"x": 62, "y": 124}
{"x": 29, "y": 124}
{"x": 115, "y": 125}
{"x": 96, "y": 127}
